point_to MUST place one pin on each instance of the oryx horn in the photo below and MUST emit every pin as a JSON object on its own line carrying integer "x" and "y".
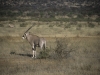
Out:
{"x": 29, "y": 28}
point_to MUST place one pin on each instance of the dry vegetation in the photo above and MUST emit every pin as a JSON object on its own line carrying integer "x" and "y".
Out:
{"x": 74, "y": 51}
{"x": 72, "y": 31}
{"x": 52, "y": 29}
{"x": 15, "y": 57}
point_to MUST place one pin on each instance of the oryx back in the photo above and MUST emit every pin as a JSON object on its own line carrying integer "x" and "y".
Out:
{"x": 33, "y": 39}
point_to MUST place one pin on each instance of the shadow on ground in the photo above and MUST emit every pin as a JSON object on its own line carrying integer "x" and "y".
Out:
{"x": 28, "y": 55}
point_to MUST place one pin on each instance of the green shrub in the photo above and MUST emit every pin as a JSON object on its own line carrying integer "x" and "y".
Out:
{"x": 79, "y": 27}
{"x": 1, "y": 25}
{"x": 21, "y": 20}
{"x": 98, "y": 23}
{"x": 5, "y": 38}
{"x": 23, "y": 25}
{"x": 66, "y": 26}
{"x": 33, "y": 14}
{"x": 44, "y": 54}
{"x": 51, "y": 25}
{"x": 69, "y": 14}
{"x": 97, "y": 33}
{"x": 91, "y": 25}
{"x": 62, "y": 50}
{"x": 80, "y": 16}
{"x": 73, "y": 22}
{"x": 97, "y": 19}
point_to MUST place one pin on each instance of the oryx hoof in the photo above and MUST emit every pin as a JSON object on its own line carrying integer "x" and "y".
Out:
{"x": 34, "y": 57}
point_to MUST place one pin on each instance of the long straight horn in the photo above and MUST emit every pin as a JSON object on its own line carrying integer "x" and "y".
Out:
{"x": 29, "y": 28}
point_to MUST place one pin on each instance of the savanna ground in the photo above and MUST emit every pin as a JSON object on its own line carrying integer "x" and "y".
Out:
{"x": 83, "y": 58}
{"x": 72, "y": 48}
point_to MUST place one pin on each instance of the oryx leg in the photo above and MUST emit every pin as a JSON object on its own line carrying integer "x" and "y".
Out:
{"x": 34, "y": 54}
{"x": 34, "y": 51}
{"x": 41, "y": 45}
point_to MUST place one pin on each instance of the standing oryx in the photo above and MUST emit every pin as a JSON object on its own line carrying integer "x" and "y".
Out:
{"x": 34, "y": 41}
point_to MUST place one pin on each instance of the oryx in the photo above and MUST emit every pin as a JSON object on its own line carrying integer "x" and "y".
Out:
{"x": 34, "y": 40}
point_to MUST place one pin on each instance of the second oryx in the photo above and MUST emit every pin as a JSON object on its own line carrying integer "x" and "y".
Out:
{"x": 35, "y": 41}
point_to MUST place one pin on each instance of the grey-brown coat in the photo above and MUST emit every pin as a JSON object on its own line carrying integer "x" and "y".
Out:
{"x": 35, "y": 41}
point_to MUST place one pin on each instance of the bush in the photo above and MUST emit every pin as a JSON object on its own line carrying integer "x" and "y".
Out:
{"x": 91, "y": 25}
{"x": 1, "y": 25}
{"x": 69, "y": 14}
{"x": 21, "y": 20}
{"x": 51, "y": 25}
{"x": 66, "y": 26}
{"x": 23, "y": 25}
{"x": 79, "y": 27}
{"x": 44, "y": 54}
{"x": 62, "y": 50}
{"x": 5, "y": 38}
{"x": 73, "y": 23}
{"x": 80, "y": 16}
{"x": 97, "y": 19}
{"x": 97, "y": 33}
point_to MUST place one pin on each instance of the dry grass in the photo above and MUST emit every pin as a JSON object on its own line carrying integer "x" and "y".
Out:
{"x": 52, "y": 29}
{"x": 15, "y": 58}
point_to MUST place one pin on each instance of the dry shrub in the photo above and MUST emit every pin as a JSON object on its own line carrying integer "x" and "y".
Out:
{"x": 97, "y": 33}
{"x": 62, "y": 49}
{"x": 44, "y": 54}
{"x": 5, "y": 38}
{"x": 1, "y": 25}
{"x": 23, "y": 25}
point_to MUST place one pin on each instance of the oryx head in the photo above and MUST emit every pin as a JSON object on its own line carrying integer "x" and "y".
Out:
{"x": 26, "y": 33}
{"x": 24, "y": 36}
